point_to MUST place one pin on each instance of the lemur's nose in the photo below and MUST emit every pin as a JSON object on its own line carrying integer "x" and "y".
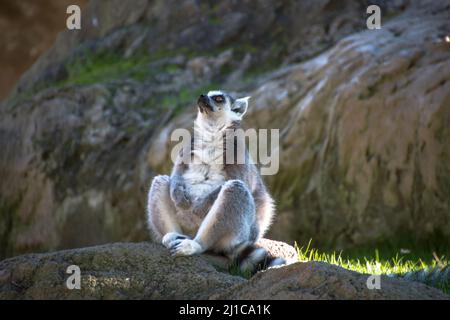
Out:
{"x": 203, "y": 98}
{"x": 203, "y": 103}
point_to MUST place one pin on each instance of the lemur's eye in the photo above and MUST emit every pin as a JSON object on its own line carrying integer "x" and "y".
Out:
{"x": 219, "y": 99}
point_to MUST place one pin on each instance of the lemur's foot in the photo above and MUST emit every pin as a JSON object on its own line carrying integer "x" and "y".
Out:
{"x": 171, "y": 237}
{"x": 185, "y": 247}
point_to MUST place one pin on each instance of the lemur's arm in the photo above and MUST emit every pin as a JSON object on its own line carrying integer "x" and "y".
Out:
{"x": 178, "y": 190}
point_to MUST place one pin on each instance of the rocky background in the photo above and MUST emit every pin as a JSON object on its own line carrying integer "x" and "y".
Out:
{"x": 364, "y": 118}
{"x": 29, "y": 29}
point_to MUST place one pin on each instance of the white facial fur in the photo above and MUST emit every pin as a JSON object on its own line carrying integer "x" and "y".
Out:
{"x": 224, "y": 113}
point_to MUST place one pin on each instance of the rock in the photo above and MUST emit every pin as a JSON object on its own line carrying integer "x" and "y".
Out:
{"x": 203, "y": 67}
{"x": 147, "y": 271}
{"x": 295, "y": 30}
{"x": 113, "y": 271}
{"x": 32, "y": 29}
{"x": 320, "y": 280}
{"x": 365, "y": 133}
{"x": 67, "y": 175}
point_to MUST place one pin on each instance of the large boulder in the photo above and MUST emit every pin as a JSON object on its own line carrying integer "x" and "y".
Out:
{"x": 147, "y": 271}
{"x": 70, "y": 168}
{"x": 366, "y": 136}
{"x": 321, "y": 281}
{"x": 115, "y": 271}
{"x": 296, "y": 30}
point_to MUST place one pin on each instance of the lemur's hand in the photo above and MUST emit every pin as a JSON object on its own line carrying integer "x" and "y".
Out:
{"x": 180, "y": 197}
{"x": 203, "y": 205}
{"x": 199, "y": 209}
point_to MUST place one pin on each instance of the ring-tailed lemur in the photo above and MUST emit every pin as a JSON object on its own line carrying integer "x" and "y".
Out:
{"x": 209, "y": 206}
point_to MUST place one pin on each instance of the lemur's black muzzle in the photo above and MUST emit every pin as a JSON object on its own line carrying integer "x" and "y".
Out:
{"x": 203, "y": 103}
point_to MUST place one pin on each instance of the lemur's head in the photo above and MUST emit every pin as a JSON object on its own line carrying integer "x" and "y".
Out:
{"x": 221, "y": 107}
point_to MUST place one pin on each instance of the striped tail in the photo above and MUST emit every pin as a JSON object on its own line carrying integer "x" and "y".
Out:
{"x": 432, "y": 276}
{"x": 253, "y": 258}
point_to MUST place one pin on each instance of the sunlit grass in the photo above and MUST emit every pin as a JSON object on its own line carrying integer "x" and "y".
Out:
{"x": 398, "y": 263}
{"x": 419, "y": 264}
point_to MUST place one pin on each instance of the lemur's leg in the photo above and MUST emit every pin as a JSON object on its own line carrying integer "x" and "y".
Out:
{"x": 230, "y": 223}
{"x": 161, "y": 212}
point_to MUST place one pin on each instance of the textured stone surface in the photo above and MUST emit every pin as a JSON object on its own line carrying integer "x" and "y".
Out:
{"x": 70, "y": 171}
{"x": 319, "y": 280}
{"x": 295, "y": 30}
{"x": 366, "y": 135}
{"x": 113, "y": 271}
{"x": 147, "y": 271}
{"x": 32, "y": 28}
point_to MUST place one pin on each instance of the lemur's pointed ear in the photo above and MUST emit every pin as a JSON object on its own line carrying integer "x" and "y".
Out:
{"x": 240, "y": 106}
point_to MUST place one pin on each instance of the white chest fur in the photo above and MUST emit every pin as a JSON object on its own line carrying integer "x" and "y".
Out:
{"x": 201, "y": 179}
{"x": 205, "y": 173}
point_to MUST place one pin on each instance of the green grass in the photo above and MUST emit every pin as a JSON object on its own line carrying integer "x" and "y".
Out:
{"x": 382, "y": 261}
{"x": 234, "y": 270}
